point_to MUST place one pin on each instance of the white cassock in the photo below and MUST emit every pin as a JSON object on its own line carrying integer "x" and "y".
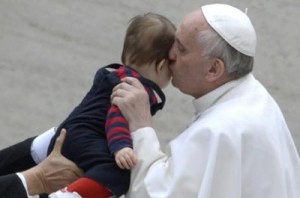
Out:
{"x": 238, "y": 146}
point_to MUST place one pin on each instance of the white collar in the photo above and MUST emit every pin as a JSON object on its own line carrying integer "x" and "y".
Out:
{"x": 204, "y": 102}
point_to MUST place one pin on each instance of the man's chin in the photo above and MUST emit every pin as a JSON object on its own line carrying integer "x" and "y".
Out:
{"x": 174, "y": 84}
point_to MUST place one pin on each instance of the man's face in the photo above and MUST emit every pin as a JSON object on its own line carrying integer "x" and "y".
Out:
{"x": 188, "y": 66}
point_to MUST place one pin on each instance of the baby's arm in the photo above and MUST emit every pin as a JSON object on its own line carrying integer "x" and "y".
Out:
{"x": 125, "y": 158}
{"x": 119, "y": 138}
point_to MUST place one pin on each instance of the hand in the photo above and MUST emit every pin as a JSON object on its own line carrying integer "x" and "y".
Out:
{"x": 54, "y": 173}
{"x": 125, "y": 158}
{"x": 133, "y": 101}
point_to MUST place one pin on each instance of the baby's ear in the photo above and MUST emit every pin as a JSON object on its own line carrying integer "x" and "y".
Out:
{"x": 160, "y": 64}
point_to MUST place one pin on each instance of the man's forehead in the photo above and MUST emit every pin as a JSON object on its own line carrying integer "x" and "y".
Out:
{"x": 187, "y": 32}
{"x": 181, "y": 35}
{"x": 195, "y": 18}
{"x": 193, "y": 23}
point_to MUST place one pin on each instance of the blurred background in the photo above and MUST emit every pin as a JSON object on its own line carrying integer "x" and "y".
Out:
{"x": 50, "y": 51}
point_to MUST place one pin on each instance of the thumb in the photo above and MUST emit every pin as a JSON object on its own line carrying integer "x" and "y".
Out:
{"x": 59, "y": 141}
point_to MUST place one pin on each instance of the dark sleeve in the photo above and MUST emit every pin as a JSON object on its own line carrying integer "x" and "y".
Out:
{"x": 11, "y": 187}
{"x": 16, "y": 158}
{"x": 117, "y": 130}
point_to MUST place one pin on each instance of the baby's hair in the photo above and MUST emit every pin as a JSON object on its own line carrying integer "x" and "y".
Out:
{"x": 149, "y": 37}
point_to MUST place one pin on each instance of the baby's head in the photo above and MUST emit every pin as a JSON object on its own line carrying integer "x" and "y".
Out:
{"x": 148, "y": 40}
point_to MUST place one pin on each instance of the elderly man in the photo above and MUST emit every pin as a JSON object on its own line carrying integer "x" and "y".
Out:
{"x": 238, "y": 144}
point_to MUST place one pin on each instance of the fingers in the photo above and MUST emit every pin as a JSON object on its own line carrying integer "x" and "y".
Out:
{"x": 59, "y": 141}
{"x": 132, "y": 81}
{"x": 120, "y": 90}
{"x": 125, "y": 158}
{"x": 126, "y": 87}
{"x": 129, "y": 87}
{"x": 122, "y": 162}
{"x": 125, "y": 162}
{"x": 128, "y": 83}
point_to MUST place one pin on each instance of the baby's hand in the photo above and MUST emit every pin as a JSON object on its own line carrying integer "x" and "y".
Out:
{"x": 125, "y": 158}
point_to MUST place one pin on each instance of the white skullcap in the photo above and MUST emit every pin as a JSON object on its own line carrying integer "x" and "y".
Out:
{"x": 233, "y": 26}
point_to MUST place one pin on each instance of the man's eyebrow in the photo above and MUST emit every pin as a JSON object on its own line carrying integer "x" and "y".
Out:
{"x": 179, "y": 42}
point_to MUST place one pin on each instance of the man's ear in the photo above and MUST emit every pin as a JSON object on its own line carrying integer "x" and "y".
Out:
{"x": 160, "y": 64}
{"x": 216, "y": 70}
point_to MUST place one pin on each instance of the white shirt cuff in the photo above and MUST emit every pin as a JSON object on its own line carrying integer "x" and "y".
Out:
{"x": 25, "y": 185}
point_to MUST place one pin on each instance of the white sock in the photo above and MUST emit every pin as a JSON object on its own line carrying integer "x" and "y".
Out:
{"x": 64, "y": 194}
